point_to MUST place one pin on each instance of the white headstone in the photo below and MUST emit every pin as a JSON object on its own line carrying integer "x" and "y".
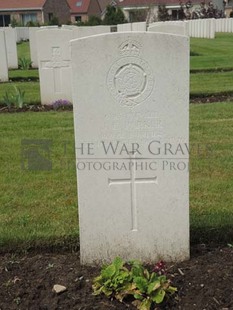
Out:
{"x": 11, "y": 47}
{"x": 22, "y": 34}
{"x": 124, "y": 27}
{"x": 131, "y": 134}
{"x": 3, "y": 58}
{"x": 33, "y": 46}
{"x": 139, "y": 26}
{"x": 179, "y": 28}
{"x": 54, "y": 57}
{"x": 80, "y": 32}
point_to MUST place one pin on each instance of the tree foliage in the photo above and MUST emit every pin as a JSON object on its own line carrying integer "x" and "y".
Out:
{"x": 114, "y": 16}
{"x": 163, "y": 14}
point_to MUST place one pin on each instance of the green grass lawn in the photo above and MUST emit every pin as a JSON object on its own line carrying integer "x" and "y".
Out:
{"x": 23, "y": 50}
{"x": 24, "y": 74}
{"x": 211, "y": 176}
{"x": 37, "y": 207}
{"x": 214, "y": 53}
{"x": 32, "y": 91}
{"x": 211, "y": 83}
{"x": 40, "y": 208}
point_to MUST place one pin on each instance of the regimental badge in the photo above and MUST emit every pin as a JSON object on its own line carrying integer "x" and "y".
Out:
{"x": 130, "y": 79}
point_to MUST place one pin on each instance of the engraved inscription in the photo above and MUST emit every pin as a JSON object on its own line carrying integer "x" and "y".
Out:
{"x": 133, "y": 126}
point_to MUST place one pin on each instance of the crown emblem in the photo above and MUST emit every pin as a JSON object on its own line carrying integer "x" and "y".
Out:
{"x": 130, "y": 48}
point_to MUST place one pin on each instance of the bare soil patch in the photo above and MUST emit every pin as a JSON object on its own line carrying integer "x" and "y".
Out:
{"x": 203, "y": 282}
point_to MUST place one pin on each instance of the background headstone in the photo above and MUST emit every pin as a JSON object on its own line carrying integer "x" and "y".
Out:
{"x": 133, "y": 201}
{"x": 33, "y": 46}
{"x": 80, "y": 32}
{"x": 11, "y": 47}
{"x": 3, "y": 58}
{"x": 54, "y": 58}
{"x": 22, "y": 34}
{"x": 139, "y": 26}
{"x": 124, "y": 27}
{"x": 179, "y": 28}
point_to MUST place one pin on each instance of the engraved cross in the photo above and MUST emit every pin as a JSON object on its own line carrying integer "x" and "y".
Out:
{"x": 133, "y": 180}
{"x": 56, "y": 64}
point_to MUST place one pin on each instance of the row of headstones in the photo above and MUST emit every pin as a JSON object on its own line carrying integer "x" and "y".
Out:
{"x": 77, "y": 32}
{"x": 224, "y": 25}
{"x": 22, "y": 34}
{"x": 199, "y": 28}
{"x": 10, "y": 36}
{"x": 202, "y": 28}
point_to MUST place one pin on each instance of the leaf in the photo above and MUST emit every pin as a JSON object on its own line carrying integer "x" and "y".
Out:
{"x": 145, "y": 305}
{"x": 118, "y": 263}
{"x": 107, "y": 292}
{"x": 146, "y": 274}
{"x": 162, "y": 279}
{"x": 137, "y": 269}
{"x": 141, "y": 284}
{"x": 97, "y": 291}
{"x": 138, "y": 296}
{"x": 159, "y": 296}
{"x": 153, "y": 286}
{"x": 171, "y": 289}
{"x": 108, "y": 272}
{"x": 153, "y": 277}
{"x": 97, "y": 279}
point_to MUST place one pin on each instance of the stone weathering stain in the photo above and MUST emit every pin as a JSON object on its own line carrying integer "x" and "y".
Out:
{"x": 130, "y": 89}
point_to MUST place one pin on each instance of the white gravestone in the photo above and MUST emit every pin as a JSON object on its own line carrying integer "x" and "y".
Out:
{"x": 131, "y": 133}
{"x": 124, "y": 27}
{"x": 139, "y": 26}
{"x": 3, "y": 58}
{"x": 33, "y": 43}
{"x": 54, "y": 57}
{"x": 33, "y": 46}
{"x": 179, "y": 28}
{"x": 11, "y": 47}
{"x": 22, "y": 34}
{"x": 81, "y": 32}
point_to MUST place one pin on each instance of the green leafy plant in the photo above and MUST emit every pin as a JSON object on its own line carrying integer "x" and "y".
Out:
{"x": 24, "y": 63}
{"x": 121, "y": 280}
{"x": 16, "y": 99}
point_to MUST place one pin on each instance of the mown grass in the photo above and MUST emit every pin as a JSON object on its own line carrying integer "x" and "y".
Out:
{"x": 23, "y": 50}
{"x": 40, "y": 208}
{"x": 211, "y": 83}
{"x": 213, "y": 53}
{"x": 32, "y": 91}
{"x": 211, "y": 175}
{"x": 24, "y": 74}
